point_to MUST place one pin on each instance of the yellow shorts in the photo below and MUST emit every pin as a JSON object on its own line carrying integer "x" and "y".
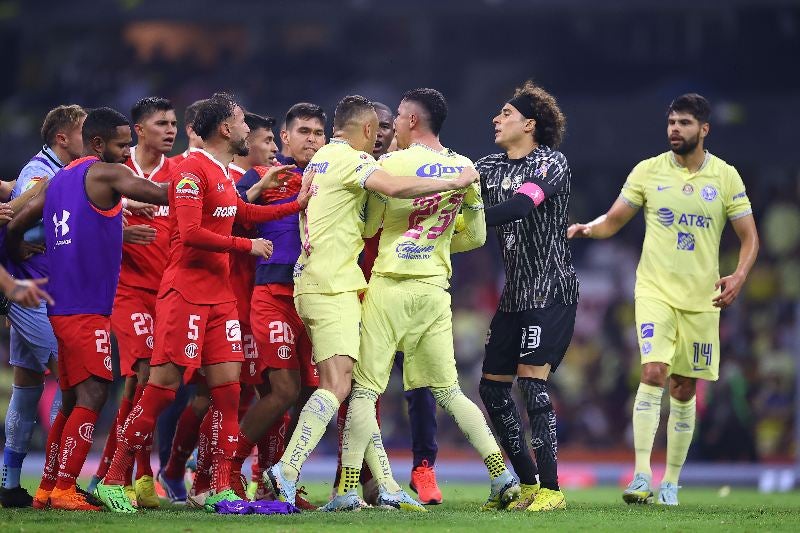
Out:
{"x": 332, "y": 322}
{"x": 413, "y": 317}
{"x": 687, "y": 341}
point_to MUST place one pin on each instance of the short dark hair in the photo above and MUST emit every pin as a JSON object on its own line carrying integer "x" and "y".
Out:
{"x": 147, "y": 106}
{"x": 102, "y": 122}
{"x": 691, "y": 103}
{"x": 349, "y": 108}
{"x": 384, "y": 107}
{"x": 213, "y": 112}
{"x": 191, "y": 112}
{"x": 551, "y": 124}
{"x": 59, "y": 119}
{"x": 305, "y": 111}
{"x": 434, "y": 104}
{"x": 255, "y": 122}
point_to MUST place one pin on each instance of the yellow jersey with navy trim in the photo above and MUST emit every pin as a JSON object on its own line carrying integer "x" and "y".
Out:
{"x": 684, "y": 214}
{"x": 332, "y": 223}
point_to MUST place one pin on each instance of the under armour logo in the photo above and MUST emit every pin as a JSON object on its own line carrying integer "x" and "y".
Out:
{"x": 61, "y": 225}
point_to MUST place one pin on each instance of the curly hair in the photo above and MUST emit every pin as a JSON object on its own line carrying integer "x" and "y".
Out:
{"x": 551, "y": 124}
{"x": 213, "y": 112}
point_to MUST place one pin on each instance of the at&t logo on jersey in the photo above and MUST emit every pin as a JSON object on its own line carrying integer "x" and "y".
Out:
{"x": 697, "y": 221}
{"x": 411, "y": 250}
{"x": 436, "y": 170}
{"x": 226, "y": 211}
{"x": 666, "y": 216}
{"x": 61, "y": 227}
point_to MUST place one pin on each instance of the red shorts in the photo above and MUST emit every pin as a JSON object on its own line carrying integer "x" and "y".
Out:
{"x": 280, "y": 334}
{"x": 132, "y": 324}
{"x": 194, "y": 335}
{"x": 84, "y": 348}
{"x": 252, "y": 368}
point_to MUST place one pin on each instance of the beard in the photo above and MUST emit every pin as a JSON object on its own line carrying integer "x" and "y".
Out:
{"x": 240, "y": 147}
{"x": 686, "y": 146}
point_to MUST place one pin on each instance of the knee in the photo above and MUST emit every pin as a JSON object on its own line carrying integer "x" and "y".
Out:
{"x": 444, "y": 396}
{"x": 200, "y": 405}
{"x": 654, "y": 374}
{"x": 92, "y": 394}
{"x": 285, "y": 387}
{"x": 681, "y": 388}
{"x": 495, "y": 395}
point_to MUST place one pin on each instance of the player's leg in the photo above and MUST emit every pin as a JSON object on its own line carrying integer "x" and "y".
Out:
{"x": 332, "y": 321}
{"x": 185, "y": 440}
{"x": 657, "y": 333}
{"x": 697, "y": 357}
{"x": 499, "y": 369}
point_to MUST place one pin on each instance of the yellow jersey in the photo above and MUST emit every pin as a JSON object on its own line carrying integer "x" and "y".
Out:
{"x": 332, "y": 223}
{"x": 416, "y": 236}
{"x": 684, "y": 216}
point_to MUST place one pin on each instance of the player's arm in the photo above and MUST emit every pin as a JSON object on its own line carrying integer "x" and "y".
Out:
{"x": 606, "y": 225}
{"x": 252, "y": 214}
{"x": 251, "y": 186}
{"x": 123, "y": 182}
{"x": 28, "y": 217}
{"x": 25, "y": 292}
{"x": 6, "y": 187}
{"x": 745, "y": 228}
{"x": 474, "y": 233}
{"x": 14, "y": 205}
{"x": 382, "y": 182}
{"x": 376, "y": 207}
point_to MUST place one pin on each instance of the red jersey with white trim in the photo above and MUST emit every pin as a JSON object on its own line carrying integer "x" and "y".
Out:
{"x": 143, "y": 264}
{"x": 204, "y": 205}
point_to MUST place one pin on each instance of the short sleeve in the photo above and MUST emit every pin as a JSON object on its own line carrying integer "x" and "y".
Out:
{"x": 633, "y": 190}
{"x": 365, "y": 165}
{"x": 190, "y": 186}
{"x": 737, "y": 204}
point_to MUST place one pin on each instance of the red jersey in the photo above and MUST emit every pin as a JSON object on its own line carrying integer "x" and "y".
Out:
{"x": 178, "y": 159}
{"x": 204, "y": 207}
{"x": 143, "y": 264}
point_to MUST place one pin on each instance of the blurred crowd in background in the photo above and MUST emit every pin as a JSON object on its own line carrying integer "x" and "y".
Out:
{"x": 614, "y": 73}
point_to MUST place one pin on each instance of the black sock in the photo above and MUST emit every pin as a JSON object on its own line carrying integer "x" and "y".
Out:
{"x": 543, "y": 430}
{"x": 503, "y": 413}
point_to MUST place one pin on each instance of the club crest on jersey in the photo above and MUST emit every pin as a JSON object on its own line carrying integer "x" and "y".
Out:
{"x": 188, "y": 184}
{"x": 107, "y": 362}
{"x": 191, "y": 350}
{"x": 506, "y": 183}
{"x": 709, "y": 193}
{"x": 646, "y": 347}
{"x": 688, "y": 189}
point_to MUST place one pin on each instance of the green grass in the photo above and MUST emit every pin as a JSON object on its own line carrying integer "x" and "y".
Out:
{"x": 599, "y": 509}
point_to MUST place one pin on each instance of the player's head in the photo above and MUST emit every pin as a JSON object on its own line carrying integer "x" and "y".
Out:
{"x": 356, "y": 120}
{"x": 420, "y": 111}
{"x": 532, "y": 113}
{"x": 261, "y": 139}
{"x": 195, "y": 141}
{"x": 687, "y": 123}
{"x": 385, "y": 129}
{"x": 303, "y": 132}
{"x": 155, "y": 123}
{"x": 220, "y": 118}
{"x": 61, "y": 130}
{"x": 107, "y": 134}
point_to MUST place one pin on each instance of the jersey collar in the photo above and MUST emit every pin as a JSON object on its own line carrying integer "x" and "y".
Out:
{"x": 50, "y": 154}
{"x": 237, "y": 168}
{"x": 706, "y": 159}
{"x": 215, "y": 161}
{"x": 445, "y": 150}
{"x": 138, "y": 170}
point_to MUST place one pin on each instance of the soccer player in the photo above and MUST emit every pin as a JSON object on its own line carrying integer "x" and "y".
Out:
{"x": 33, "y": 346}
{"x": 285, "y": 372}
{"x": 327, "y": 277}
{"x": 83, "y": 232}
{"x": 195, "y": 141}
{"x": 144, "y": 256}
{"x": 196, "y": 318}
{"x": 527, "y": 191}
{"x": 687, "y": 195}
{"x": 407, "y": 306}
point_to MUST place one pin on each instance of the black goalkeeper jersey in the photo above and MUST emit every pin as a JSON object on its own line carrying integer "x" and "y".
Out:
{"x": 536, "y": 254}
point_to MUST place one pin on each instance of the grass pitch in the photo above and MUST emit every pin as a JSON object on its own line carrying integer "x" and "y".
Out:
{"x": 599, "y": 509}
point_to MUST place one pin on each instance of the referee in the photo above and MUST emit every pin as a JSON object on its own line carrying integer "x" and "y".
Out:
{"x": 526, "y": 192}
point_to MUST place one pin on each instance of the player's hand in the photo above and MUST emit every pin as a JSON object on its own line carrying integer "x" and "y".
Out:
{"x": 261, "y": 248}
{"x": 579, "y": 231}
{"x": 28, "y": 249}
{"x": 730, "y": 285}
{"x": 142, "y": 209}
{"x": 6, "y": 213}
{"x": 277, "y": 176}
{"x": 138, "y": 234}
{"x": 467, "y": 177}
{"x": 27, "y": 292}
{"x": 305, "y": 189}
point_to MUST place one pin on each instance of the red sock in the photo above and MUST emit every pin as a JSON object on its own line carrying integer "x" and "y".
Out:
{"x": 244, "y": 447}
{"x": 225, "y": 403}
{"x": 273, "y": 444}
{"x": 142, "y": 457}
{"x": 183, "y": 443}
{"x": 341, "y": 417}
{"x": 125, "y": 407}
{"x": 76, "y": 441}
{"x": 202, "y": 477}
{"x": 50, "y": 473}
{"x": 138, "y": 427}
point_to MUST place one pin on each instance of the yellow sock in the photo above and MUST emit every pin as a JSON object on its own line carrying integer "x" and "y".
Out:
{"x": 362, "y": 440}
{"x": 348, "y": 480}
{"x": 495, "y": 464}
{"x": 680, "y": 430}
{"x": 472, "y": 423}
{"x": 646, "y": 416}
{"x": 318, "y": 411}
